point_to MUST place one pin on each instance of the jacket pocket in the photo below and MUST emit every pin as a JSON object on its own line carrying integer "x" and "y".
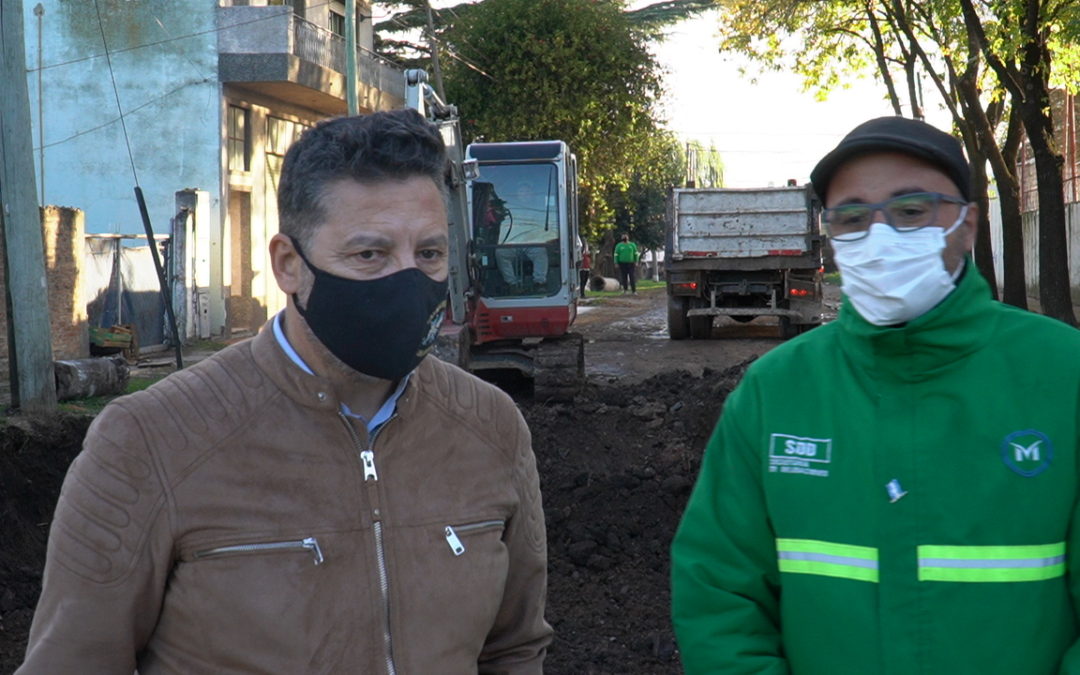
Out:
{"x": 307, "y": 544}
{"x": 457, "y": 535}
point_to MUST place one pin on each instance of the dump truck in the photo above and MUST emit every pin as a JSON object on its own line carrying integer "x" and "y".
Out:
{"x": 743, "y": 253}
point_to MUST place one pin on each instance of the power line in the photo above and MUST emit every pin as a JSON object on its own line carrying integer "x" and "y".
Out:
{"x": 116, "y": 93}
{"x": 129, "y": 113}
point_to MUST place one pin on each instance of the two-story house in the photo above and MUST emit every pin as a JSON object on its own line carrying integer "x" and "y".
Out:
{"x": 202, "y": 96}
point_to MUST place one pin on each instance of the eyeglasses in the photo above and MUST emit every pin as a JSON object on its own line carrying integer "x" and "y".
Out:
{"x": 850, "y": 222}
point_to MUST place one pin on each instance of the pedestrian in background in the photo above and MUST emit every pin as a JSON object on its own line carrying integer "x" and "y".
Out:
{"x": 626, "y": 257}
{"x": 324, "y": 497}
{"x": 586, "y": 267}
{"x": 921, "y": 514}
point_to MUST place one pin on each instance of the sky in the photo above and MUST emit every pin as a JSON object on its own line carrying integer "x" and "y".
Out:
{"x": 766, "y": 131}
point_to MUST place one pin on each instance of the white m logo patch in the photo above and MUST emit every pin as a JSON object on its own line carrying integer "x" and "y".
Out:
{"x": 1030, "y": 452}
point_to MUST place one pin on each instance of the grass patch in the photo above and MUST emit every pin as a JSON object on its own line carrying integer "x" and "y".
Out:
{"x": 644, "y": 285}
{"x": 95, "y": 404}
{"x": 832, "y": 278}
{"x": 204, "y": 346}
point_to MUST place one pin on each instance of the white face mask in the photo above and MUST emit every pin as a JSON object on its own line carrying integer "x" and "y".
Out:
{"x": 893, "y": 277}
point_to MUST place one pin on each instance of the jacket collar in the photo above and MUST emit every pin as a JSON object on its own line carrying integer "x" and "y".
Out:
{"x": 311, "y": 390}
{"x": 962, "y": 323}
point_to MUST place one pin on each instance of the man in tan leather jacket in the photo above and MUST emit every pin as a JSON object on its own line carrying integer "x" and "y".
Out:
{"x": 321, "y": 498}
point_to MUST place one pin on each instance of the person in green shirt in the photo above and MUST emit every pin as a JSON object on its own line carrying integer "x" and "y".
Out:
{"x": 626, "y": 257}
{"x": 895, "y": 491}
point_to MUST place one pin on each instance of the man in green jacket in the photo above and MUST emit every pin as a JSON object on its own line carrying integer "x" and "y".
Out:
{"x": 626, "y": 257}
{"x": 896, "y": 491}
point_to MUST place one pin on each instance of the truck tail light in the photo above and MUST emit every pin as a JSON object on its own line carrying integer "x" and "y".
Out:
{"x": 687, "y": 285}
{"x": 800, "y": 292}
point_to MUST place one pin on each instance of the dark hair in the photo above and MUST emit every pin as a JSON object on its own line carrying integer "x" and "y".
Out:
{"x": 391, "y": 145}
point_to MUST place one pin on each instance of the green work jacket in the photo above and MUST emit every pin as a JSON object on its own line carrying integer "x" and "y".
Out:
{"x": 892, "y": 500}
{"x": 626, "y": 252}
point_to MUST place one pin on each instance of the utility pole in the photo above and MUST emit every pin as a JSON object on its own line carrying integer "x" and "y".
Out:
{"x": 434, "y": 47}
{"x": 33, "y": 384}
{"x": 350, "y": 58}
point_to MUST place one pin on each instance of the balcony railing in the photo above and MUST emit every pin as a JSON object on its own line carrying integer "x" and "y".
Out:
{"x": 277, "y": 30}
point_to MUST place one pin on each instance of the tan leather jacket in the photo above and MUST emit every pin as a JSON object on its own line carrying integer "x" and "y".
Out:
{"x": 229, "y": 520}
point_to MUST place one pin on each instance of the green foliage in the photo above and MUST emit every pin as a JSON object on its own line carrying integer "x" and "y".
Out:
{"x": 828, "y": 42}
{"x": 661, "y": 14}
{"x": 575, "y": 70}
{"x": 640, "y": 209}
{"x": 705, "y": 167}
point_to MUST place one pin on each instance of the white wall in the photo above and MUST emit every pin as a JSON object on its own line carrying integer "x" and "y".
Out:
{"x": 164, "y": 61}
{"x": 1031, "y": 246}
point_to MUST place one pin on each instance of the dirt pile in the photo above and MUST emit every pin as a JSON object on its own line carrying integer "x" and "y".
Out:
{"x": 616, "y": 467}
{"x": 34, "y": 456}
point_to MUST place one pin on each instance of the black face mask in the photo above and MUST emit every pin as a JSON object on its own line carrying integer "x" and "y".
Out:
{"x": 381, "y": 327}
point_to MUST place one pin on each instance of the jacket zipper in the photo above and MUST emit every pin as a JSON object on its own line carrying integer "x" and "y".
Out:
{"x": 451, "y": 533}
{"x": 367, "y": 458}
{"x": 306, "y": 544}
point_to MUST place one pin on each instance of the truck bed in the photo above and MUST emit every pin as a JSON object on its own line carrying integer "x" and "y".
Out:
{"x": 730, "y": 223}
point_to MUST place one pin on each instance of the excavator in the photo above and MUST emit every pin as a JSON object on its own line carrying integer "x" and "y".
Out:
{"x": 515, "y": 254}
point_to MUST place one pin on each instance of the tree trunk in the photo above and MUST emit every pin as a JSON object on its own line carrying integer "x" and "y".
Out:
{"x": 1014, "y": 289}
{"x": 1055, "y": 294}
{"x": 984, "y": 252}
{"x": 83, "y": 378}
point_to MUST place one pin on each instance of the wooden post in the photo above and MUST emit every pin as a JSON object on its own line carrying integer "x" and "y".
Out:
{"x": 33, "y": 385}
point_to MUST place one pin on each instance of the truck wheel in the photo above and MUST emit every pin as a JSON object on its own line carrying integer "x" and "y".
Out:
{"x": 700, "y": 326}
{"x": 677, "y": 322}
{"x": 790, "y": 329}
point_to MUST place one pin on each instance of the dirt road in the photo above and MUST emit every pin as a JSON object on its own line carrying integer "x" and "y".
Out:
{"x": 627, "y": 339}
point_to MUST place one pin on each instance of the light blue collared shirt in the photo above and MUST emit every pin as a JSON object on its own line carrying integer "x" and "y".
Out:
{"x": 384, "y": 413}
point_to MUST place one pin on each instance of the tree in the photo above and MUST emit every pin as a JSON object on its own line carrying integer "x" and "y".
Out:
{"x": 838, "y": 38}
{"x": 627, "y": 167}
{"x": 641, "y": 209}
{"x": 575, "y": 70}
{"x": 955, "y": 70}
{"x": 1022, "y": 58}
{"x": 395, "y": 37}
{"x": 704, "y": 167}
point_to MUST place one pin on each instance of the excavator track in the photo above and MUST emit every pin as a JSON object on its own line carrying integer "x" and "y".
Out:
{"x": 559, "y": 368}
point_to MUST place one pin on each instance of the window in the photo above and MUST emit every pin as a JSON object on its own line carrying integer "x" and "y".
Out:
{"x": 337, "y": 23}
{"x": 280, "y": 134}
{"x": 239, "y": 139}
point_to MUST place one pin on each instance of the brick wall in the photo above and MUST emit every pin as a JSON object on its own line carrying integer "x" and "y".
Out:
{"x": 65, "y": 249}
{"x": 63, "y": 234}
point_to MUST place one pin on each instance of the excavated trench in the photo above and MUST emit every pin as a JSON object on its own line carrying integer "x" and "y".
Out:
{"x": 616, "y": 464}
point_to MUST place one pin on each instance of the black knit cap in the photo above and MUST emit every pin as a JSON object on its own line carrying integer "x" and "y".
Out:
{"x": 897, "y": 134}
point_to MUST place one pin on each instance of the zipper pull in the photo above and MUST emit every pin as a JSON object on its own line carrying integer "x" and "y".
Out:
{"x": 311, "y": 544}
{"x": 455, "y": 544}
{"x": 368, "y": 457}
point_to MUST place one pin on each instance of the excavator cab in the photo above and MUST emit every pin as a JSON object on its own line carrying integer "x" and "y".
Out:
{"x": 516, "y": 218}
{"x": 515, "y": 254}
{"x": 525, "y": 243}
